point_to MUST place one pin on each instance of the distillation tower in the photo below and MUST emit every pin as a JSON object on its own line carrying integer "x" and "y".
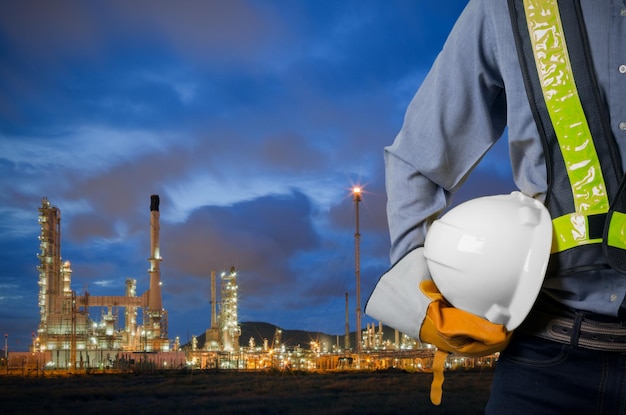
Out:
{"x": 60, "y": 324}
{"x": 229, "y": 326}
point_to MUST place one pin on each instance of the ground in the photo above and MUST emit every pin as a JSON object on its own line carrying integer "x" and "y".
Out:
{"x": 230, "y": 392}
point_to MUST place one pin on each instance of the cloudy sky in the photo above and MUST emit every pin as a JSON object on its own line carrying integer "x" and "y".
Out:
{"x": 251, "y": 119}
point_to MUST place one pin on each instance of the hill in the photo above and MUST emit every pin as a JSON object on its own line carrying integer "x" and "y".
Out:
{"x": 260, "y": 331}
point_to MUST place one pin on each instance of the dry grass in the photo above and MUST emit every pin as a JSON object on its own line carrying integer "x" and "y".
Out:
{"x": 228, "y": 392}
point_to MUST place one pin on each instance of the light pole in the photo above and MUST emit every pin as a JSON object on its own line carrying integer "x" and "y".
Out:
{"x": 356, "y": 192}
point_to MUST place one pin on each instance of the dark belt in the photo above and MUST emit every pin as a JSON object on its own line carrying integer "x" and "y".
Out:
{"x": 577, "y": 331}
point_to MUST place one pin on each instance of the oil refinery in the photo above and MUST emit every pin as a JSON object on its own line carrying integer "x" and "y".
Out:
{"x": 67, "y": 335}
{"x": 132, "y": 333}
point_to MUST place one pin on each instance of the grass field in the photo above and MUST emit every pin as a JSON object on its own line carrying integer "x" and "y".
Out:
{"x": 229, "y": 392}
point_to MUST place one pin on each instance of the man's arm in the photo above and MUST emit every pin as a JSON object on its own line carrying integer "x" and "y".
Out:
{"x": 456, "y": 116}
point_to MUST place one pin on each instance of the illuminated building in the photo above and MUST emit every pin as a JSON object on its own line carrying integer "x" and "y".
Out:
{"x": 66, "y": 332}
{"x": 229, "y": 326}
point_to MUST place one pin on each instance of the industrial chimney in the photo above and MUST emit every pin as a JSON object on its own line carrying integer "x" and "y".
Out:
{"x": 155, "y": 301}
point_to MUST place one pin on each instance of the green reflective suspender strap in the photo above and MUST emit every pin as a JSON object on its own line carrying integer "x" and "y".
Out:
{"x": 584, "y": 166}
{"x": 570, "y": 125}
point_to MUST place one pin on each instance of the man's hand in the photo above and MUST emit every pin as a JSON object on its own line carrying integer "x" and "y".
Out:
{"x": 457, "y": 331}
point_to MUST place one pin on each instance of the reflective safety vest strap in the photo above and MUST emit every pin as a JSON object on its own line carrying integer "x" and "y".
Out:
{"x": 576, "y": 229}
{"x": 569, "y": 122}
{"x": 573, "y": 126}
{"x": 616, "y": 236}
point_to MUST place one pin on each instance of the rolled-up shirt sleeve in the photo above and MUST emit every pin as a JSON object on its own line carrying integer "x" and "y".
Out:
{"x": 456, "y": 115}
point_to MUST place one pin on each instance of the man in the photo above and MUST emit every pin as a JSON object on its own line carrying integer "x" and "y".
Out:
{"x": 496, "y": 72}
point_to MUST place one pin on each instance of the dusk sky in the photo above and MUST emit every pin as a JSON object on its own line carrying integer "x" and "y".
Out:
{"x": 251, "y": 119}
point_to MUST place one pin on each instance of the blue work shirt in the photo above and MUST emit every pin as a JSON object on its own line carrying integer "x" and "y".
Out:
{"x": 472, "y": 93}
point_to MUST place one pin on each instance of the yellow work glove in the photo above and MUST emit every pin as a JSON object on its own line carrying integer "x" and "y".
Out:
{"x": 407, "y": 299}
{"x": 456, "y": 331}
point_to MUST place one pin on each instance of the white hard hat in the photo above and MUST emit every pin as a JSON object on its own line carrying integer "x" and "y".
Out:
{"x": 488, "y": 256}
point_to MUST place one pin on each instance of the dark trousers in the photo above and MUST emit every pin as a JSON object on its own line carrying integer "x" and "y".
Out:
{"x": 537, "y": 376}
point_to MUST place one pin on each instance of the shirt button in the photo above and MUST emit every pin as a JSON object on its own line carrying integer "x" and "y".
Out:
{"x": 613, "y": 298}
{"x": 623, "y": 12}
{"x": 622, "y": 126}
{"x": 622, "y": 69}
